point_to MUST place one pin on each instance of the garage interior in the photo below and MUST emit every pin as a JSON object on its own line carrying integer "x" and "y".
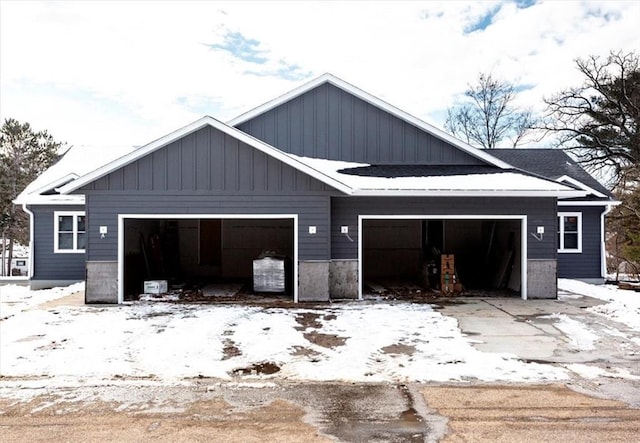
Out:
{"x": 194, "y": 253}
{"x": 404, "y": 253}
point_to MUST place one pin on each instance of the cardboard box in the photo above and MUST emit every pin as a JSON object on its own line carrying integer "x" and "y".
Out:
{"x": 155, "y": 287}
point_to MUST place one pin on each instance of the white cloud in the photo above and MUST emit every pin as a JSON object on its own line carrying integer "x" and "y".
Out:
{"x": 128, "y": 72}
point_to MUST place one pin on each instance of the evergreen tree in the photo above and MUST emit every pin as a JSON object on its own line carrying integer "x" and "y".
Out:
{"x": 24, "y": 154}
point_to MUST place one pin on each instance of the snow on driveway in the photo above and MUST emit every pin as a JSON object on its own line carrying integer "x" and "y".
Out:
{"x": 350, "y": 342}
{"x": 359, "y": 341}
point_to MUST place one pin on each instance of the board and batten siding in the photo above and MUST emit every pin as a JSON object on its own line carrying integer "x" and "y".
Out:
{"x": 204, "y": 161}
{"x": 330, "y": 123}
{"x": 48, "y": 265}
{"x": 208, "y": 172}
{"x": 539, "y": 212}
{"x": 586, "y": 264}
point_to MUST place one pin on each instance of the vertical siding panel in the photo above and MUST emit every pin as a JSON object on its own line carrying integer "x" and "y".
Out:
{"x": 359, "y": 131}
{"x": 333, "y": 124}
{"x": 322, "y": 122}
{"x": 145, "y": 182}
{"x": 174, "y": 169}
{"x": 296, "y": 128}
{"x": 384, "y": 137}
{"x": 397, "y": 138}
{"x": 217, "y": 160}
{"x": 269, "y": 129}
{"x": 231, "y": 163}
{"x": 159, "y": 168}
{"x": 188, "y": 162}
{"x": 371, "y": 128}
{"x": 245, "y": 167}
{"x": 410, "y": 139}
{"x": 282, "y": 129}
{"x": 308, "y": 123}
{"x": 202, "y": 171}
{"x": 346, "y": 127}
{"x": 130, "y": 175}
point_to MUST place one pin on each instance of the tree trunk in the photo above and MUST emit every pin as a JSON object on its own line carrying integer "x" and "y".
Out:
{"x": 10, "y": 257}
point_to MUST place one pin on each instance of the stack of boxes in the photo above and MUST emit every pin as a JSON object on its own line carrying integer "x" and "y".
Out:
{"x": 449, "y": 283}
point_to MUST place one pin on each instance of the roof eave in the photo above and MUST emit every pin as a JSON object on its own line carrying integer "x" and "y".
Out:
{"x": 465, "y": 193}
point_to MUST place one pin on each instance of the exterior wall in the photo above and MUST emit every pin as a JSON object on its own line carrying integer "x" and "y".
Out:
{"x": 328, "y": 122}
{"x": 51, "y": 269}
{"x": 539, "y": 212}
{"x": 588, "y": 263}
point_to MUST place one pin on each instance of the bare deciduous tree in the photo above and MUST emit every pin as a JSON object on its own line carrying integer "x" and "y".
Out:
{"x": 489, "y": 116}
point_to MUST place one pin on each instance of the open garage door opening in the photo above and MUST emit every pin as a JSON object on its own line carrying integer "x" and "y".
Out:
{"x": 443, "y": 256}
{"x": 216, "y": 259}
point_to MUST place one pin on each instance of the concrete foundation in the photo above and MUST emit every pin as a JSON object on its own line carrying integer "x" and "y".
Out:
{"x": 542, "y": 279}
{"x": 313, "y": 281}
{"x": 102, "y": 282}
{"x": 343, "y": 279}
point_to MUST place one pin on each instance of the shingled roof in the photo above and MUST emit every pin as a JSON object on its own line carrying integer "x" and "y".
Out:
{"x": 550, "y": 163}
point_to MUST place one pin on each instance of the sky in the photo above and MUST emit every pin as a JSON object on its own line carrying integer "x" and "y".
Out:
{"x": 126, "y": 73}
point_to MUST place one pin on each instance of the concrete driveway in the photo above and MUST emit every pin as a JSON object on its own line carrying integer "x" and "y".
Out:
{"x": 530, "y": 330}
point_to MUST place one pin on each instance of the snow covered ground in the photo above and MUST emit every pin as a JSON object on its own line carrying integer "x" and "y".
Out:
{"x": 359, "y": 341}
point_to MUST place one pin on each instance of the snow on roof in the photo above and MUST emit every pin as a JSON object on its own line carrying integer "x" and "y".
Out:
{"x": 76, "y": 162}
{"x": 496, "y": 183}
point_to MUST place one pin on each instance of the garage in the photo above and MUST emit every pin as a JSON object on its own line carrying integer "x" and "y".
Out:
{"x": 202, "y": 251}
{"x": 489, "y": 252}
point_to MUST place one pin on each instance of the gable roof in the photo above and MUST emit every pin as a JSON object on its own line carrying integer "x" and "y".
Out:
{"x": 288, "y": 159}
{"x": 554, "y": 164}
{"x": 501, "y": 182}
{"x": 375, "y": 101}
{"x": 75, "y": 162}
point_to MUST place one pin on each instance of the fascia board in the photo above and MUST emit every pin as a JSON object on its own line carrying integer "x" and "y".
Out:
{"x": 375, "y": 101}
{"x": 51, "y": 200}
{"x": 581, "y": 185}
{"x": 590, "y": 203}
{"x": 464, "y": 193}
{"x": 186, "y": 130}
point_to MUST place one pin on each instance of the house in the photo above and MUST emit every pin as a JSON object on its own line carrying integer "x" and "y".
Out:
{"x": 348, "y": 187}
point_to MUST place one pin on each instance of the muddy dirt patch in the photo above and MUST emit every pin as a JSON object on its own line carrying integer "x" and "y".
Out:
{"x": 301, "y": 351}
{"x": 265, "y": 368}
{"x": 325, "y": 340}
{"x": 230, "y": 350}
{"x": 308, "y": 320}
{"x": 399, "y": 349}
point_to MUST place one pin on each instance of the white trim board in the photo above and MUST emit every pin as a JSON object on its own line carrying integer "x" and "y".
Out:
{"x": 123, "y": 217}
{"x": 579, "y": 184}
{"x": 523, "y": 239}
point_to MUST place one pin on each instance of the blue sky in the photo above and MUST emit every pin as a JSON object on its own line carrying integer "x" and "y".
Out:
{"x": 126, "y": 73}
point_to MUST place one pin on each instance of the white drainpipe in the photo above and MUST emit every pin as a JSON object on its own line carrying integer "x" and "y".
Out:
{"x": 30, "y": 270}
{"x": 603, "y": 246}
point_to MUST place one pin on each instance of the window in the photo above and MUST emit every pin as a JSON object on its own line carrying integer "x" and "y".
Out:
{"x": 69, "y": 232}
{"x": 569, "y": 232}
{"x": 21, "y": 263}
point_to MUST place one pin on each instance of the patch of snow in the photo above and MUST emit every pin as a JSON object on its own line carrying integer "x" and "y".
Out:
{"x": 15, "y": 298}
{"x": 168, "y": 342}
{"x": 593, "y": 372}
{"x": 582, "y": 338}
{"x": 623, "y": 305}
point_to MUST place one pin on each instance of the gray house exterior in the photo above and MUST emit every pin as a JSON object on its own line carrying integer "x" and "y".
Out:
{"x": 347, "y": 187}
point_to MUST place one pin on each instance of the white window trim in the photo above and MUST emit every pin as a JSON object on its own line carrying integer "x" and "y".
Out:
{"x": 75, "y": 215}
{"x": 561, "y": 247}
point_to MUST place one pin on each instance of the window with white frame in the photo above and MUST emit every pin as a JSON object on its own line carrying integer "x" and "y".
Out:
{"x": 569, "y": 232}
{"x": 69, "y": 232}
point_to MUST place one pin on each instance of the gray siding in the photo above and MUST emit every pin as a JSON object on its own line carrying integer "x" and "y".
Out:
{"x": 208, "y": 161}
{"x": 328, "y": 122}
{"x": 312, "y": 210}
{"x": 48, "y": 265}
{"x": 210, "y": 173}
{"x": 588, "y": 263}
{"x": 539, "y": 212}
